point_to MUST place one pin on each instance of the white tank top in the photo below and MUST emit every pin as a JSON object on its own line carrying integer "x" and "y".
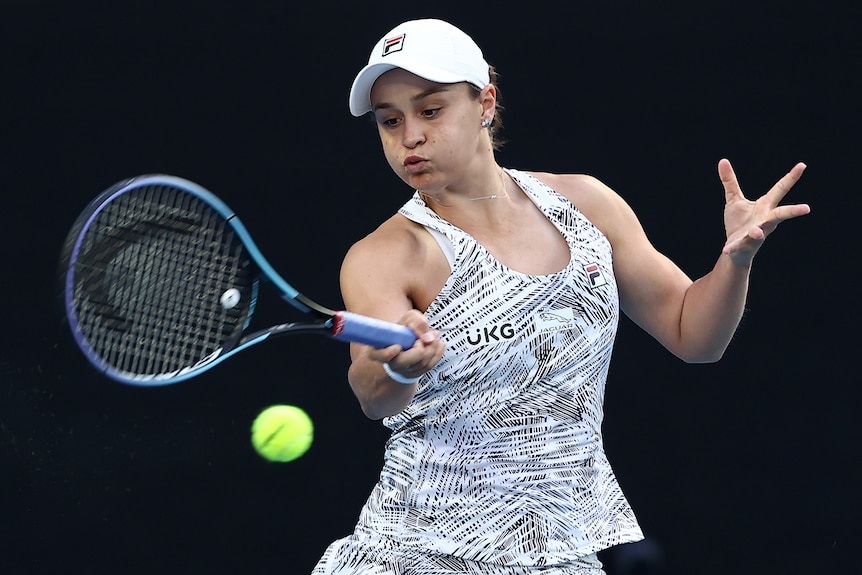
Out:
{"x": 499, "y": 456}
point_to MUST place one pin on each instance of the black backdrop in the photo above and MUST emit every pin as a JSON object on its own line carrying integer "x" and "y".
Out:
{"x": 745, "y": 466}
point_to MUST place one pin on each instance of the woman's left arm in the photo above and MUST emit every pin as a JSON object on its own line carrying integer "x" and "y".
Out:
{"x": 696, "y": 320}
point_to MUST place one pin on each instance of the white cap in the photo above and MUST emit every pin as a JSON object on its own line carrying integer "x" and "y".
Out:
{"x": 431, "y": 49}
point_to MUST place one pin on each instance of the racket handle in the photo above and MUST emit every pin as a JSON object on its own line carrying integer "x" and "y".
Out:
{"x": 349, "y": 326}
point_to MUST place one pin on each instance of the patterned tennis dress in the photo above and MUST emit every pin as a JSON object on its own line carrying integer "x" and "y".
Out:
{"x": 497, "y": 465}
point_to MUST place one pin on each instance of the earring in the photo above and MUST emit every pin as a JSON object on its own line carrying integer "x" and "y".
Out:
{"x": 486, "y": 123}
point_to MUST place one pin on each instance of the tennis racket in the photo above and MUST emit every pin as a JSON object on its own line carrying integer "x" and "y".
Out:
{"x": 160, "y": 281}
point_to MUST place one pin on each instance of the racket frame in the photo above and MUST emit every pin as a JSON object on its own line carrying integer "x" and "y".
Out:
{"x": 339, "y": 325}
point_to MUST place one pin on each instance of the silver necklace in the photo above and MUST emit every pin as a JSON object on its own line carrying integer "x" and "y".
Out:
{"x": 502, "y": 194}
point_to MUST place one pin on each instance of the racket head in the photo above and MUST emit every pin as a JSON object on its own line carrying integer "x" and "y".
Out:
{"x": 158, "y": 281}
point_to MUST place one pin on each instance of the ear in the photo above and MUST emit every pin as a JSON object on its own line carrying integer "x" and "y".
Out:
{"x": 488, "y": 100}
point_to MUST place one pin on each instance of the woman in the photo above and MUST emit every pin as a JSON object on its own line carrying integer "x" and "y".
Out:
{"x": 513, "y": 282}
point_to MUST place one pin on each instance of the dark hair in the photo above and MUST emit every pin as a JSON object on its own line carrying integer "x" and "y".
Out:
{"x": 497, "y": 123}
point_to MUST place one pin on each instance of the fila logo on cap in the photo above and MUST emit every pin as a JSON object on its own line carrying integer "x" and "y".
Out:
{"x": 393, "y": 44}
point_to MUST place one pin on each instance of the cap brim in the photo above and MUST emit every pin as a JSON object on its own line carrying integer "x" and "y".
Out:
{"x": 360, "y": 92}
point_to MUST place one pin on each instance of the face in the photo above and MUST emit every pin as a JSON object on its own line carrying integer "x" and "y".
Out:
{"x": 431, "y": 133}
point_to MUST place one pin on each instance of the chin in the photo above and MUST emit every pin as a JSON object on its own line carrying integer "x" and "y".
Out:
{"x": 420, "y": 181}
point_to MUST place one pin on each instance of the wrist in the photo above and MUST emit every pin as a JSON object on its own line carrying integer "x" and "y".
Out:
{"x": 395, "y": 376}
{"x": 741, "y": 261}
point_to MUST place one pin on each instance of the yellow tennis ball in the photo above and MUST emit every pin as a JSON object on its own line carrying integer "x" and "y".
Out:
{"x": 282, "y": 433}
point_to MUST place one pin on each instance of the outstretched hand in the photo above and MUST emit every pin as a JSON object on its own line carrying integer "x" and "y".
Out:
{"x": 747, "y": 222}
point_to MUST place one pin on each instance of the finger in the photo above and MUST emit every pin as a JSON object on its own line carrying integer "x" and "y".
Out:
{"x": 728, "y": 180}
{"x": 432, "y": 355}
{"x": 430, "y": 336}
{"x": 415, "y": 321}
{"x": 410, "y": 365}
{"x": 782, "y": 186}
{"x": 784, "y": 213}
{"x": 386, "y": 353}
{"x": 751, "y": 241}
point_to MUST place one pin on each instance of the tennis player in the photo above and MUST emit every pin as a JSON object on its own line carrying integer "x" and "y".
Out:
{"x": 514, "y": 282}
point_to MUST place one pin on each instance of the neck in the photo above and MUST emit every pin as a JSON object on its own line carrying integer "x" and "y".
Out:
{"x": 499, "y": 192}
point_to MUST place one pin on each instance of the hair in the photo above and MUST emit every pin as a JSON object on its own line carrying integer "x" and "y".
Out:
{"x": 497, "y": 123}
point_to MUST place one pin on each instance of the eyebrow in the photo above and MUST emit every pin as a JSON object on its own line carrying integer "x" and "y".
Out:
{"x": 418, "y": 97}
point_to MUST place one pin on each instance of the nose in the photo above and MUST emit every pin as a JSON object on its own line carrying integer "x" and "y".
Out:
{"x": 413, "y": 134}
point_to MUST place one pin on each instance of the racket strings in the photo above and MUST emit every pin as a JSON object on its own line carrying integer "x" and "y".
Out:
{"x": 176, "y": 281}
{"x": 169, "y": 282}
{"x": 153, "y": 266}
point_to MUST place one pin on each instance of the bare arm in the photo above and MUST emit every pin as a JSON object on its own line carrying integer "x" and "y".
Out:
{"x": 377, "y": 279}
{"x": 695, "y": 320}
{"x": 724, "y": 289}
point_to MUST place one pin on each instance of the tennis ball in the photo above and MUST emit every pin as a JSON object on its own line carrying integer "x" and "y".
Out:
{"x": 282, "y": 433}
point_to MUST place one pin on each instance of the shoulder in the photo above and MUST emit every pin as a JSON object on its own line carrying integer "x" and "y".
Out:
{"x": 398, "y": 238}
{"x": 598, "y": 202}
{"x": 398, "y": 260}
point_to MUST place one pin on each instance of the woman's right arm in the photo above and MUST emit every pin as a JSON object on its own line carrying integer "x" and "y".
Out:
{"x": 377, "y": 279}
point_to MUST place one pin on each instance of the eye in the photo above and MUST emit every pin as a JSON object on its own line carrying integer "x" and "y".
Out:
{"x": 430, "y": 112}
{"x": 388, "y": 121}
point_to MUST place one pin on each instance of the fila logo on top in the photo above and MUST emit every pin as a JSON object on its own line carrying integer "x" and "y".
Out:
{"x": 594, "y": 274}
{"x": 393, "y": 44}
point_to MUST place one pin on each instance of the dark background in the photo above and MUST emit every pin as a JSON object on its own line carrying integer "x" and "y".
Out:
{"x": 750, "y": 465}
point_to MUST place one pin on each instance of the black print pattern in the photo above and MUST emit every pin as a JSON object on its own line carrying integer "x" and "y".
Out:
{"x": 497, "y": 466}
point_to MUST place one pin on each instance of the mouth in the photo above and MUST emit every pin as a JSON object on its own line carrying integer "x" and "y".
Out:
{"x": 414, "y": 163}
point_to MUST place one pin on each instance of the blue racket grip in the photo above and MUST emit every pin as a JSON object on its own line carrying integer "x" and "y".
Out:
{"x": 349, "y": 326}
